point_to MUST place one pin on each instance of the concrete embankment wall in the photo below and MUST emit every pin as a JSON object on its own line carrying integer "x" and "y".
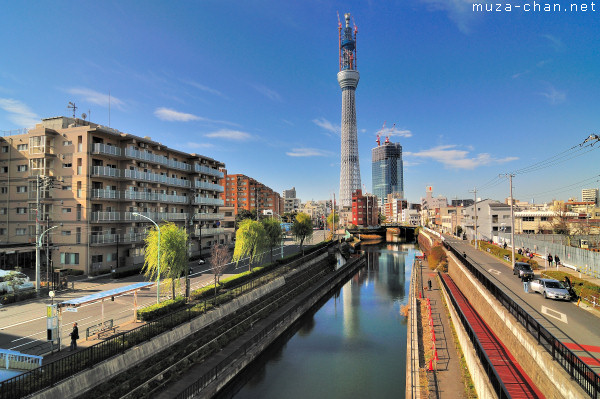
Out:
{"x": 547, "y": 374}
{"x": 296, "y": 309}
{"x": 102, "y": 372}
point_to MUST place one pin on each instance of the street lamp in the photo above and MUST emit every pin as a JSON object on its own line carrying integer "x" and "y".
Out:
{"x": 38, "y": 245}
{"x": 158, "y": 260}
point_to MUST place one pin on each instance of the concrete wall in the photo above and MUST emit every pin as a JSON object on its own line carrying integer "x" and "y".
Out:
{"x": 547, "y": 374}
{"x": 482, "y": 384}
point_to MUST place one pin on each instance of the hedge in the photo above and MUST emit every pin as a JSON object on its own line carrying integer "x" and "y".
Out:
{"x": 5, "y": 298}
{"x": 204, "y": 292}
{"x": 160, "y": 309}
{"x": 582, "y": 287}
{"x": 501, "y": 253}
{"x": 126, "y": 273}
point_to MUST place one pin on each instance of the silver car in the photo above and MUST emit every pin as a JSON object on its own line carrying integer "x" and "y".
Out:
{"x": 550, "y": 288}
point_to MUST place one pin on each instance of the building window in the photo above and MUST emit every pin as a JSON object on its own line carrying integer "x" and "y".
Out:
{"x": 78, "y": 235}
{"x": 22, "y": 147}
{"x": 65, "y": 233}
{"x": 66, "y": 188}
{"x": 4, "y": 169}
{"x": 21, "y": 211}
{"x": 21, "y": 168}
{"x": 3, "y": 190}
{"x": 21, "y": 231}
{"x": 67, "y": 258}
{"x": 21, "y": 189}
{"x": 528, "y": 218}
{"x": 3, "y": 211}
{"x": 2, "y": 231}
{"x": 544, "y": 218}
{"x": 4, "y": 148}
{"x": 67, "y": 165}
{"x": 66, "y": 210}
{"x": 67, "y": 142}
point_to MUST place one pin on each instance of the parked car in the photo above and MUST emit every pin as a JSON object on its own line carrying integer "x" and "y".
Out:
{"x": 6, "y": 278}
{"x": 550, "y": 288}
{"x": 201, "y": 261}
{"x": 523, "y": 269}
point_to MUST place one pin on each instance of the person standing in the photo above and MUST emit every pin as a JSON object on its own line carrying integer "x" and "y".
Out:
{"x": 550, "y": 260}
{"x": 429, "y": 284}
{"x": 74, "y": 337}
{"x": 526, "y": 284}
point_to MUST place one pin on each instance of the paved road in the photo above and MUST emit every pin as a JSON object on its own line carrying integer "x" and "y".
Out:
{"x": 23, "y": 325}
{"x": 567, "y": 322}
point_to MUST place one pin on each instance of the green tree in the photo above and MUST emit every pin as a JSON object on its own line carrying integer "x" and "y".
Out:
{"x": 274, "y": 233}
{"x": 382, "y": 218}
{"x": 333, "y": 219}
{"x": 302, "y": 228}
{"x": 288, "y": 217}
{"x": 250, "y": 241}
{"x": 219, "y": 257}
{"x": 245, "y": 214}
{"x": 173, "y": 254}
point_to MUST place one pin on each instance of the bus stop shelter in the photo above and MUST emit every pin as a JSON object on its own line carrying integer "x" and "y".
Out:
{"x": 72, "y": 304}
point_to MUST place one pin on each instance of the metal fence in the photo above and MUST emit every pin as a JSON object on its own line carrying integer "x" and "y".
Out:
{"x": 583, "y": 374}
{"x": 588, "y": 262}
{"x": 50, "y": 374}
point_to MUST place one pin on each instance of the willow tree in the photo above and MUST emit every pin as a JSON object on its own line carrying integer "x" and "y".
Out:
{"x": 173, "y": 254}
{"x": 219, "y": 257}
{"x": 302, "y": 228}
{"x": 250, "y": 241}
{"x": 274, "y": 233}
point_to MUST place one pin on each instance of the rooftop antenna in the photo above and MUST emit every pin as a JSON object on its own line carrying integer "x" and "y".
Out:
{"x": 83, "y": 116}
{"x": 109, "y": 108}
{"x": 73, "y": 106}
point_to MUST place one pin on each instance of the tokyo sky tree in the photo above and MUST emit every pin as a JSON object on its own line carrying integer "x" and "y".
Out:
{"x": 348, "y": 79}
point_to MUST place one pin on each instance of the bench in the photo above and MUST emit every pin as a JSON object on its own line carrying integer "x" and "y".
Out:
{"x": 99, "y": 328}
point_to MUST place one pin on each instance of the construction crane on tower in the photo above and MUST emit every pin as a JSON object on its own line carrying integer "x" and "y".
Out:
{"x": 379, "y": 133}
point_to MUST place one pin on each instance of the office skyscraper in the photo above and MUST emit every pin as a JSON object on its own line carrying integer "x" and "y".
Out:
{"x": 387, "y": 170}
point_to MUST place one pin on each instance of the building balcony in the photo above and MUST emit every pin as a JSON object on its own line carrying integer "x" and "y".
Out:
{"x": 156, "y": 178}
{"x": 209, "y": 216}
{"x": 209, "y": 232}
{"x": 158, "y": 159}
{"x": 208, "y": 171}
{"x": 208, "y": 201}
{"x": 106, "y": 194}
{"x": 156, "y": 216}
{"x": 145, "y": 196}
{"x": 208, "y": 186}
{"x": 106, "y": 216}
{"x": 105, "y": 171}
{"x": 104, "y": 149}
{"x": 116, "y": 238}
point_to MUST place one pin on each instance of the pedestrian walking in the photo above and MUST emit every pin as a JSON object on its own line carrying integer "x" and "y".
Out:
{"x": 526, "y": 284}
{"x": 549, "y": 259}
{"x": 429, "y": 284}
{"x": 74, "y": 337}
{"x": 504, "y": 245}
{"x": 556, "y": 260}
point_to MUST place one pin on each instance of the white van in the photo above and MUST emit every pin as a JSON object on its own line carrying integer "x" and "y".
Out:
{"x": 7, "y": 275}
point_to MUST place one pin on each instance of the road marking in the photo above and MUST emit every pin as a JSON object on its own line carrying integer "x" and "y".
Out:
{"x": 23, "y": 322}
{"x": 556, "y": 314}
{"x": 494, "y": 271}
{"x": 590, "y": 361}
{"x": 577, "y": 347}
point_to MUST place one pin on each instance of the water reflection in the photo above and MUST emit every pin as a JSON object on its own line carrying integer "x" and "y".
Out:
{"x": 353, "y": 346}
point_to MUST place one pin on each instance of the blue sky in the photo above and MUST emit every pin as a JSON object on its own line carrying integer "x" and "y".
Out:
{"x": 253, "y": 84}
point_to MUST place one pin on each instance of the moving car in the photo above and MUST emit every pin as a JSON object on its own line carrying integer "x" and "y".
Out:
{"x": 550, "y": 288}
{"x": 523, "y": 269}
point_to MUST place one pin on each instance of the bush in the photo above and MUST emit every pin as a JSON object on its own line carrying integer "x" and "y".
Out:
{"x": 126, "y": 273}
{"x": 437, "y": 257}
{"x": 7, "y": 298}
{"x": 160, "y": 309}
{"x": 75, "y": 272}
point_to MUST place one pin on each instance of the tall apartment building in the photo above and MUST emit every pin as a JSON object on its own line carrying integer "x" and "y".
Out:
{"x": 100, "y": 178}
{"x": 291, "y": 204}
{"x": 243, "y": 192}
{"x": 387, "y": 170}
{"x": 365, "y": 211}
{"x": 590, "y": 195}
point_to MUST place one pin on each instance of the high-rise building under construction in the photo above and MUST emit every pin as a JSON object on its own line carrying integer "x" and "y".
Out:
{"x": 348, "y": 78}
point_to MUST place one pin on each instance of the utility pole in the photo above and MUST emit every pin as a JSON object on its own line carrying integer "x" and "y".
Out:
{"x": 37, "y": 236}
{"x": 475, "y": 223}
{"x": 512, "y": 219}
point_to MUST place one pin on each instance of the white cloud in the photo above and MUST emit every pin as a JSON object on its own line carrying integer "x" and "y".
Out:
{"x": 204, "y": 88}
{"x": 269, "y": 93}
{"x": 228, "y": 134}
{"x": 167, "y": 114}
{"x": 330, "y": 127}
{"x": 554, "y": 96}
{"x": 19, "y": 112}
{"x": 393, "y": 132}
{"x": 457, "y": 159}
{"x": 459, "y": 11}
{"x": 308, "y": 152}
{"x": 95, "y": 97}
{"x": 193, "y": 145}
{"x": 555, "y": 42}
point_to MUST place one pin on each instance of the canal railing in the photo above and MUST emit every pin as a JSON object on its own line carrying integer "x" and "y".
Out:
{"x": 583, "y": 374}
{"x": 413, "y": 383}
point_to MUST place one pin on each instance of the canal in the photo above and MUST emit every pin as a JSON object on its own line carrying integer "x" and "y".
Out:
{"x": 353, "y": 346}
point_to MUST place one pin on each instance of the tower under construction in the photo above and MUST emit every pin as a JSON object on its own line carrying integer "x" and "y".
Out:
{"x": 348, "y": 79}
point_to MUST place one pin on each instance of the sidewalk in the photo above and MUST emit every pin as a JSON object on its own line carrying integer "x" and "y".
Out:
{"x": 447, "y": 381}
